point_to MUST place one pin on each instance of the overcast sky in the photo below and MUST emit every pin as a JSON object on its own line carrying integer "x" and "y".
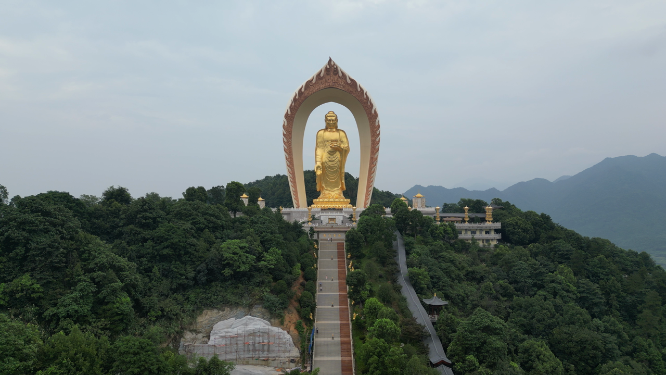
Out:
{"x": 162, "y": 95}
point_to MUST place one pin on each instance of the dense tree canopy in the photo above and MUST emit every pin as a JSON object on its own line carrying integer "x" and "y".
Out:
{"x": 544, "y": 301}
{"x": 102, "y": 285}
{"x": 389, "y": 339}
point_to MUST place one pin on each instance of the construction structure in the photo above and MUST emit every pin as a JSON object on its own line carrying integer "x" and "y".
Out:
{"x": 249, "y": 341}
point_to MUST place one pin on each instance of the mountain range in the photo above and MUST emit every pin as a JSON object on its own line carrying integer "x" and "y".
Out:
{"x": 621, "y": 199}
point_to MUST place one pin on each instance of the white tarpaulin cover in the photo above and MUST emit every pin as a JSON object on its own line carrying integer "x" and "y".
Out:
{"x": 247, "y": 337}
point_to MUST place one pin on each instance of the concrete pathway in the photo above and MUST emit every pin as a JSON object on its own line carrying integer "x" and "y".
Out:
{"x": 435, "y": 349}
{"x": 333, "y": 347}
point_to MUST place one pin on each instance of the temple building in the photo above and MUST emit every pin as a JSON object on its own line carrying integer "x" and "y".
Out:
{"x": 435, "y": 305}
{"x": 477, "y": 226}
{"x": 482, "y": 228}
{"x": 418, "y": 201}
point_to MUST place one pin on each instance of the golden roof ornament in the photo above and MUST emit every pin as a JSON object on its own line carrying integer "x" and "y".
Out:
{"x": 489, "y": 214}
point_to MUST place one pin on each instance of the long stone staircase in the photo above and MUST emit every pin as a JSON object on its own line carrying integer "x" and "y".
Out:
{"x": 332, "y": 344}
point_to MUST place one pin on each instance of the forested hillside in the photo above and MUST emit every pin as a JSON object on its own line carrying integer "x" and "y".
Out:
{"x": 620, "y": 199}
{"x": 105, "y": 285}
{"x": 387, "y": 339}
{"x": 547, "y": 301}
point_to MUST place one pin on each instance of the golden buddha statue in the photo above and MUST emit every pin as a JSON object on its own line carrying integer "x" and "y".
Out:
{"x": 330, "y": 158}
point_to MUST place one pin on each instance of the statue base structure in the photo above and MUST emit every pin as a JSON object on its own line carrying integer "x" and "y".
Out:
{"x": 331, "y": 203}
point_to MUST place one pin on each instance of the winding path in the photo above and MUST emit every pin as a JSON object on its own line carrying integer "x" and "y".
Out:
{"x": 435, "y": 350}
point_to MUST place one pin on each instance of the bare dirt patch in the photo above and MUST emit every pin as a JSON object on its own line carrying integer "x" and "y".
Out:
{"x": 291, "y": 313}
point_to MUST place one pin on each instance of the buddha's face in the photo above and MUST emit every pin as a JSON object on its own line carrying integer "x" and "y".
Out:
{"x": 331, "y": 120}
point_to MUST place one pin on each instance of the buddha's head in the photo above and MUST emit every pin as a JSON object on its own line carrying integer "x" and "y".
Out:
{"x": 331, "y": 120}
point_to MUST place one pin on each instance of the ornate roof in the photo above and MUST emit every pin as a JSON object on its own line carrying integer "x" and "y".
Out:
{"x": 435, "y": 301}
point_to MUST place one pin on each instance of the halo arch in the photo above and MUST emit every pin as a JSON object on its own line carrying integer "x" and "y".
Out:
{"x": 331, "y": 84}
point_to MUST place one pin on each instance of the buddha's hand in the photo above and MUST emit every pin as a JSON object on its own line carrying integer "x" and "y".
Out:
{"x": 318, "y": 169}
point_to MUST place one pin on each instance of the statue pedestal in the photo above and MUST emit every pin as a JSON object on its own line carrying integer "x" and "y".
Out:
{"x": 331, "y": 203}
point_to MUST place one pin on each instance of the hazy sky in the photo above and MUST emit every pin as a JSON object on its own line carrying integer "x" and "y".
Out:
{"x": 162, "y": 95}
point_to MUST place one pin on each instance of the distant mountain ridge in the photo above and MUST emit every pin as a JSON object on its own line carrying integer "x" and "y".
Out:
{"x": 620, "y": 199}
{"x": 562, "y": 178}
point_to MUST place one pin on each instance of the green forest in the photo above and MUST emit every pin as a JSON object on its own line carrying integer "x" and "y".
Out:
{"x": 387, "y": 339}
{"x": 545, "y": 301}
{"x": 106, "y": 285}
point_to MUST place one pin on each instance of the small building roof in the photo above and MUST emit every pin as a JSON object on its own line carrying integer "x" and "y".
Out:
{"x": 244, "y": 196}
{"x": 260, "y": 198}
{"x": 418, "y": 195}
{"x": 435, "y": 301}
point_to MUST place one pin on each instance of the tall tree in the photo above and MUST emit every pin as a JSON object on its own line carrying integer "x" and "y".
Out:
{"x": 76, "y": 353}
{"x": 484, "y": 336}
{"x": 536, "y": 359}
{"x": 232, "y": 198}
{"x": 354, "y": 242}
{"x": 254, "y": 193}
{"x": 216, "y": 195}
{"x": 19, "y": 345}
{"x": 136, "y": 356}
{"x": 4, "y": 195}
{"x": 116, "y": 194}
{"x": 196, "y": 194}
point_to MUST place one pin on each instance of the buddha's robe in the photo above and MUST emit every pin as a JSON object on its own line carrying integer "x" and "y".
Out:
{"x": 331, "y": 180}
